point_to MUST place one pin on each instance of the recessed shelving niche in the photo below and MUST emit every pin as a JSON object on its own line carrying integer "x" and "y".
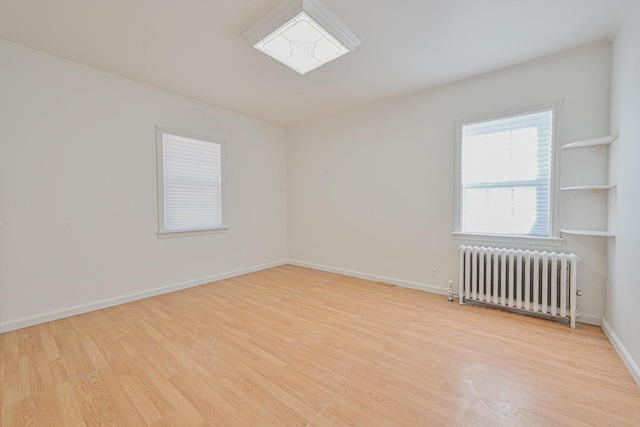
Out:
{"x": 600, "y": 189}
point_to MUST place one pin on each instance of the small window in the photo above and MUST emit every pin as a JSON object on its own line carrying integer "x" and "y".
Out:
{"x": 506, "y": 184}
{"x": 189, "y": 184}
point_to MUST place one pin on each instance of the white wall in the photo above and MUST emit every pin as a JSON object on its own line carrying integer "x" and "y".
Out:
{"x": 78, "y": 191}
{"x": 371, "y": 192}
{"x": 622, "y": 316}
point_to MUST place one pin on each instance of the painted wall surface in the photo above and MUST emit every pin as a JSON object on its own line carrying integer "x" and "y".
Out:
{"x": 78, "y": 198}
{"x": 623, "y": 282}
{"x": 372, "y": 191}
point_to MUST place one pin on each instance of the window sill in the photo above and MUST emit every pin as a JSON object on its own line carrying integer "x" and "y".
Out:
{"x": 170, "y": 234}
{"x": 499, "y": 238}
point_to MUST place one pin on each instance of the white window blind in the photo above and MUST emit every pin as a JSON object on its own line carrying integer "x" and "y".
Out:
{"x": 505, "y": 175}
{"x": 191, "y": 184}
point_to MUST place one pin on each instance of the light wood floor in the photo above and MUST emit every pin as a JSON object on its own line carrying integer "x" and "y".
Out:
{"x": 296, "y": 347}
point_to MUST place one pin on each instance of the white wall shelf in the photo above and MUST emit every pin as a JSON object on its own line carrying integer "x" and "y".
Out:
{"x": 593, "y": 142}
{"x": 599, "y": 233}
{"x": 595, "y": 187}
{"x": 598, "y": 144}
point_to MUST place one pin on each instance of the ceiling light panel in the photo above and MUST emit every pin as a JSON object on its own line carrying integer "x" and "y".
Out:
{"x": 302, "y": 34}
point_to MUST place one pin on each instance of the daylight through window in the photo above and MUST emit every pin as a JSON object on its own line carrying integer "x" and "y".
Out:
{"x": 505, "y": 175}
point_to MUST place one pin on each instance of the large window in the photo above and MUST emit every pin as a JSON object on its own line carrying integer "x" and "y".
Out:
{"x": 506, "y": 175}
{"x": 189, "y": 184}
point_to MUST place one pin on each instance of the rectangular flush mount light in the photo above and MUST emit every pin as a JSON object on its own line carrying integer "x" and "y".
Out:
{"x": 302, "y": 34}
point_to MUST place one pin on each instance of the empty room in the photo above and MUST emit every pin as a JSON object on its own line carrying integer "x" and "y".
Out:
{"x": 319, "y": 213}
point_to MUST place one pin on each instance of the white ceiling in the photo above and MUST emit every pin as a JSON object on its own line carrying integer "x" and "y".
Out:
{"x": 193, "y": 47}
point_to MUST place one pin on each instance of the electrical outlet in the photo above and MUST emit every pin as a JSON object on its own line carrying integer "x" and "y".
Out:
{"x": 434, "y": 272}
{"x": 313, "y": 254}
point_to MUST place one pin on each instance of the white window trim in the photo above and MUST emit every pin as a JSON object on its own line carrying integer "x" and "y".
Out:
{"x": 508, "y": 239}
{"x": 162, "y": 233}
{"x": 554, "y": 206}
{"x": 171, "y": 234}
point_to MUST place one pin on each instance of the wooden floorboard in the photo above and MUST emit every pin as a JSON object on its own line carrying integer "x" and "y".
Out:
{"x": 291, "y": 346}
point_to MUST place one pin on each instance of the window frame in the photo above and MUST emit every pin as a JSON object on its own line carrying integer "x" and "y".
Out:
{"x": 162, "y": 232}
{"x": 554, "y": 238}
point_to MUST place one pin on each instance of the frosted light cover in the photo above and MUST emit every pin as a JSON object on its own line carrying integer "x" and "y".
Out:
{"x": 302, "y": 44}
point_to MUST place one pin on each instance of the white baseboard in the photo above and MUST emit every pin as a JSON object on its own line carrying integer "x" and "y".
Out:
{"x": 402, "y": 283}
{"x": 110, "y": 302}
{"x": 589, "y": 319}
{"x": 631, "y": 364}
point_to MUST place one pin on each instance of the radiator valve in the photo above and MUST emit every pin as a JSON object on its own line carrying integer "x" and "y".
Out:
{"x": 452, "y": 292}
